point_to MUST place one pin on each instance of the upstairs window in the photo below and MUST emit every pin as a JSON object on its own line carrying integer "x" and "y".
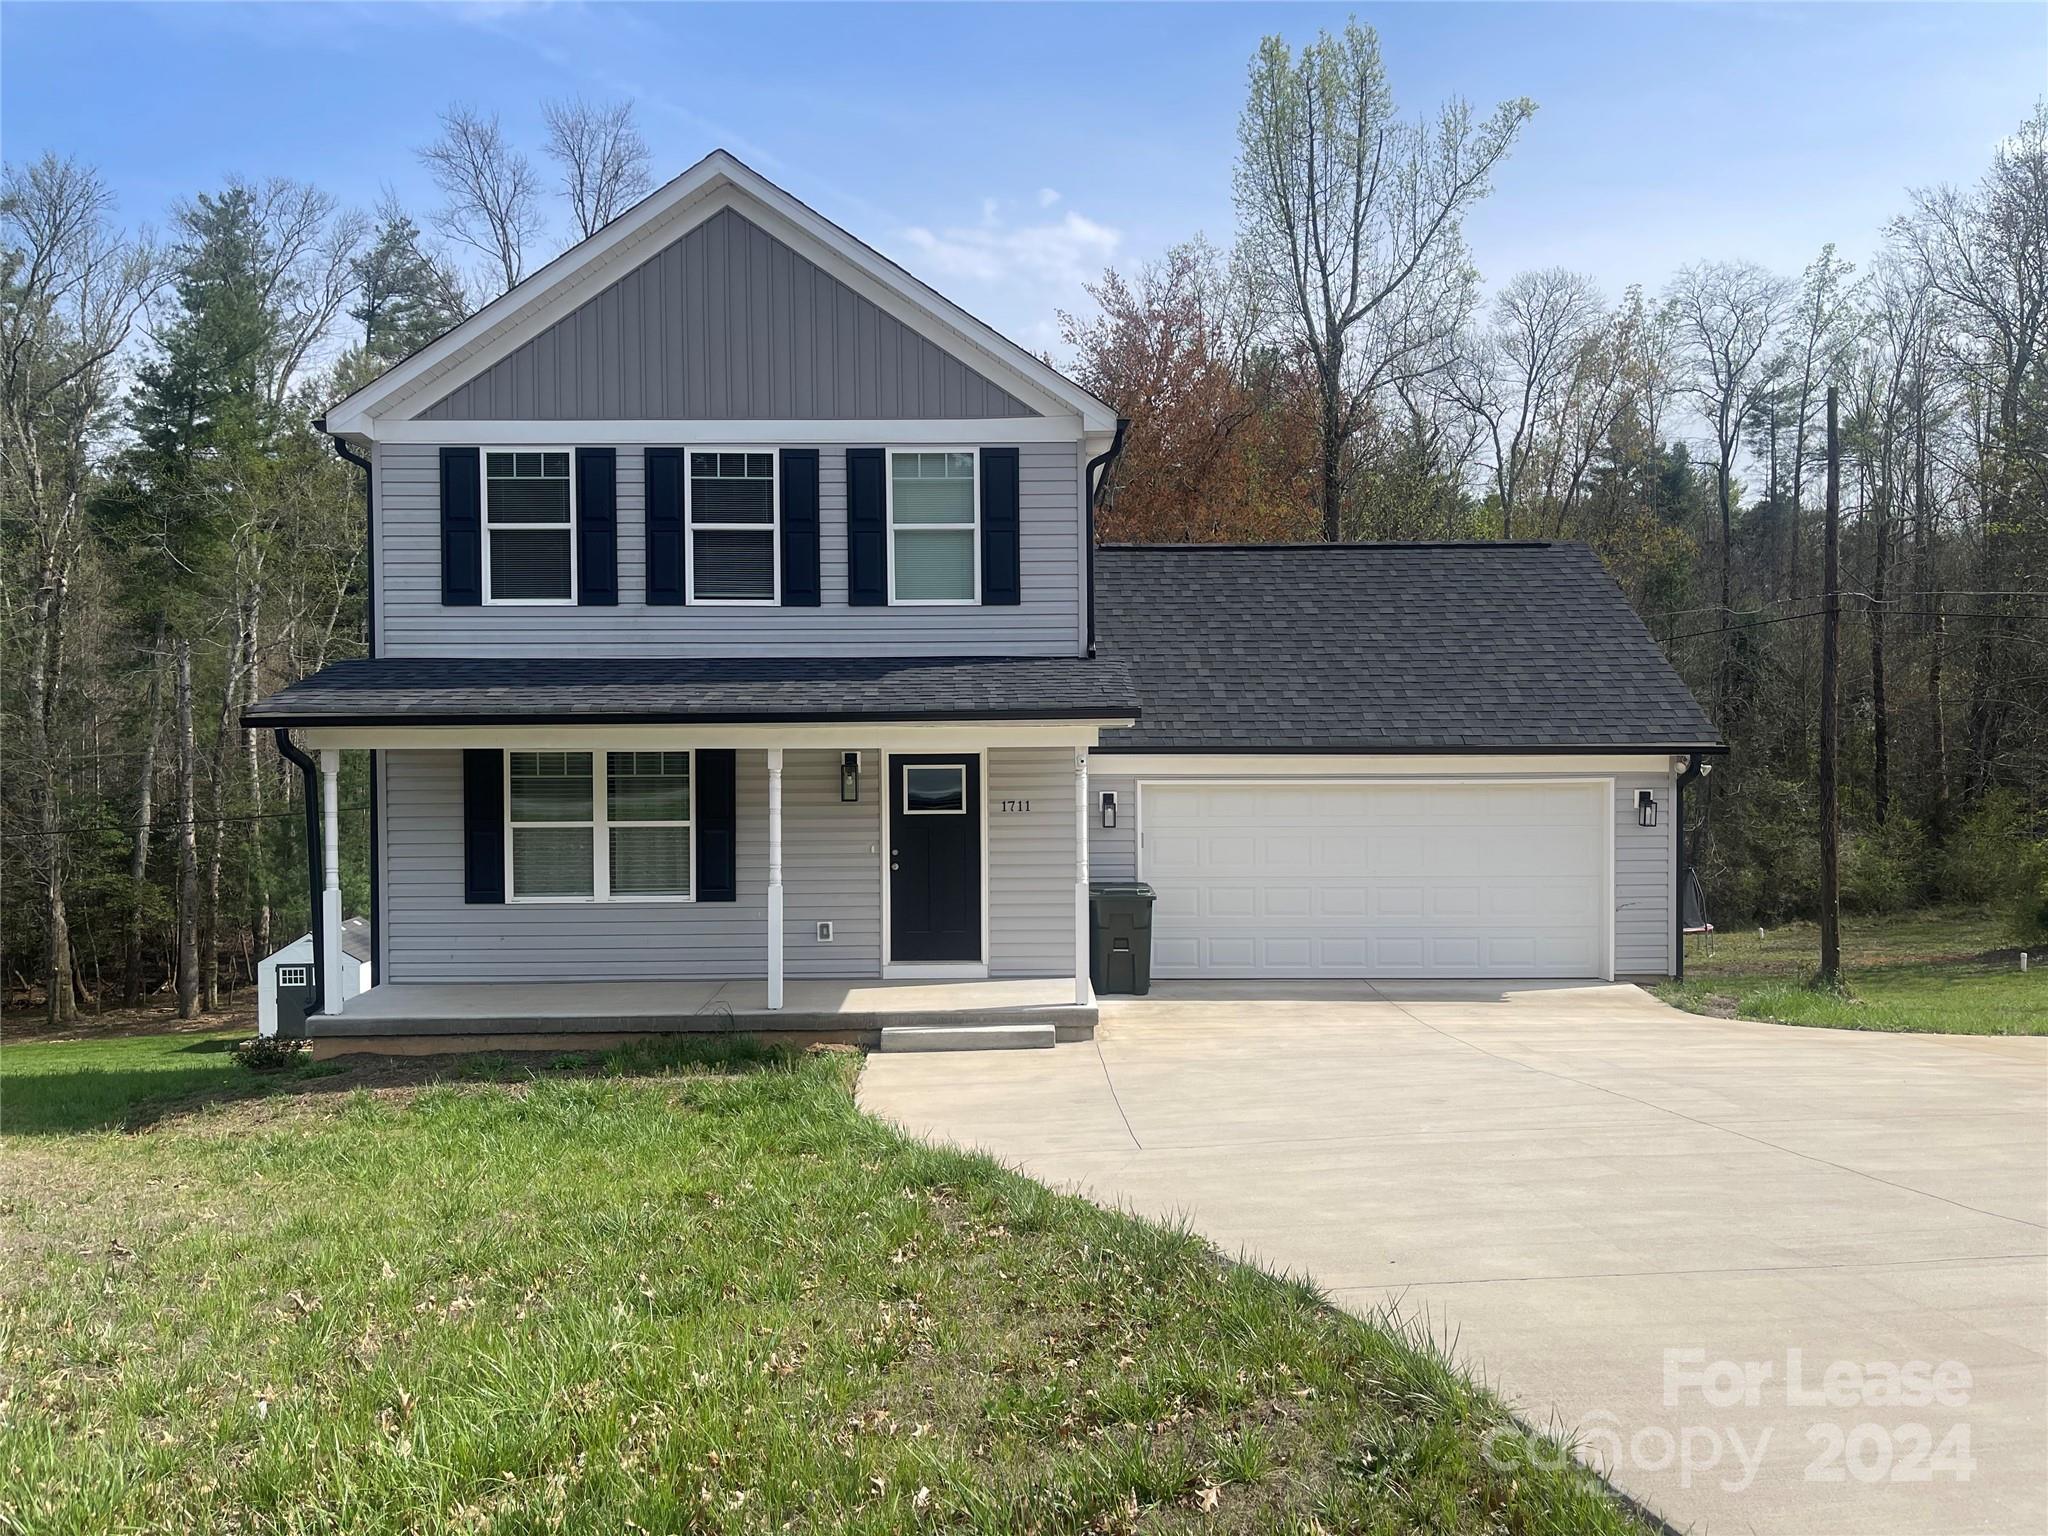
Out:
{"x": 529, "y": 527}
{"x": 732, "y": 505}
{"x": 934, "y": 532}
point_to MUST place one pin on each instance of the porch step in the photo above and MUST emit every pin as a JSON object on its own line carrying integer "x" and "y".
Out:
{"x": 967, "y": 1037}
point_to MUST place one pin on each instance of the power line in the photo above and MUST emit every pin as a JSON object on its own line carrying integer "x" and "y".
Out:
{"x": 1788, "y": 618}
{"x": 197, "y": 822}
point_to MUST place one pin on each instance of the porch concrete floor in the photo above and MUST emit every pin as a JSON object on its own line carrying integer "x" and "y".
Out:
{"x": 447, "y": 1007}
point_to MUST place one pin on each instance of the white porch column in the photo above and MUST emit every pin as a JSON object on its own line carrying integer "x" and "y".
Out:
{"x": 329, "y": 916}
{"x": 1083, "y": 994}
{"x": 775, "y": 877}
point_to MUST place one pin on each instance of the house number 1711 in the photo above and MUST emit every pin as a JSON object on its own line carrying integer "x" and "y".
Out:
{"x": 1015, "y": 805}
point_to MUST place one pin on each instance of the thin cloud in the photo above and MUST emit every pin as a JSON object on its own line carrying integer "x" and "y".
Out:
{"x": 1062, "y": 252}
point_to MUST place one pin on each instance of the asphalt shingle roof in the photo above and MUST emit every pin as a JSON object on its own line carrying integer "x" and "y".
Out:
{"x": 699, "y": 690}
{"x": 1384, "y": 647}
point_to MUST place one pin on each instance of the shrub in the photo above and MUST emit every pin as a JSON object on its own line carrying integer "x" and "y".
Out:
{"x": 2026, "y": 907}
{"x": 1884, "y": 869}
{"x": 269, "y": 1053}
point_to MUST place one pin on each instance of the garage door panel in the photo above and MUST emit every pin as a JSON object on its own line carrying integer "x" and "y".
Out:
{"x": 1375, "y": 879}
{"x": 1348, "y": 900}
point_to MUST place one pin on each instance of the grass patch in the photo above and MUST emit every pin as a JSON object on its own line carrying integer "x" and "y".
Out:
{"x": 675, "y": 1290}
{"x": 1938, "y": 972}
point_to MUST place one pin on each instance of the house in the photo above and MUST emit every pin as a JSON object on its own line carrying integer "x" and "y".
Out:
{"x": 739, "y": 640}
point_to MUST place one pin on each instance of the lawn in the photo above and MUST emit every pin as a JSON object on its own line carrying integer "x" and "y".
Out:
{"x": 1941, "y": 972}
{"x": 664, "y": 1291}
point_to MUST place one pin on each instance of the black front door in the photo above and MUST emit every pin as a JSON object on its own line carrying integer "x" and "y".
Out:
{"x": 934, "y": 831}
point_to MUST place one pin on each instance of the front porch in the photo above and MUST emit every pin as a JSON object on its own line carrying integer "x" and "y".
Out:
{"x": 431, "y": 1018}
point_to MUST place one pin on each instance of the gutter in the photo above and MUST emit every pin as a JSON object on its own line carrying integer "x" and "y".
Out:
{"x": 1695, "y": 767}
{"x": 310, "y": 772}
{"x": 349, "y": 455}
{"x": 1105, "y": 462}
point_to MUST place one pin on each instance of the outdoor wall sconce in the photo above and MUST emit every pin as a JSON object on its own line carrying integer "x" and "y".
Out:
{"x": 849, "y": 778}
{"x": 1646, "y": 808}
{"x": 1109, "y": 807}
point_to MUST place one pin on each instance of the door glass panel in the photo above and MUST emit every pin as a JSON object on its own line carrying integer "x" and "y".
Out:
{"x": 934, "y": 791}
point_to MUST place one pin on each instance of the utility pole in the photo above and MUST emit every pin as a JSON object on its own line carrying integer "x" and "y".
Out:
{"x": 1830, "y": 683}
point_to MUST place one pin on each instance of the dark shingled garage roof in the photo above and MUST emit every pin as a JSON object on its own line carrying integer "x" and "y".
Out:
{"x": 699, "y": 691}
{"x": 1385, "y": 648}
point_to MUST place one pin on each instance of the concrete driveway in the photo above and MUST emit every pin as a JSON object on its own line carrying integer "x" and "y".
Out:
{"x": 1775, "y": 1279}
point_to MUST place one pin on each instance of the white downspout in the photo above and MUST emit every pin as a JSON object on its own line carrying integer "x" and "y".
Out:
{"x": 1083, "y": 994}
{"x": 330, "y": 896}
{"x": 775, "y": 878}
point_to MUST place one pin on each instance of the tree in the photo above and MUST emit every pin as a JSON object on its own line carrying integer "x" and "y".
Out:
{"x": 1172, "y": 352}
{"x": 1351, "y": 229}
{"x": 71, "y": 289}
{"x": 1727, "y": 316}
{"x": 490, "y": 189}
{"x": 405, "y": 296}
{"x": 1524, "y": 370}
{"x": 1985, "y": 254}
{"x": 603, "y": 159}
{"x": 1821, "y": 327}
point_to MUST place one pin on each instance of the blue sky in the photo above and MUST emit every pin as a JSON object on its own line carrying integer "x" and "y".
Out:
{"x": 1007, "y": 153}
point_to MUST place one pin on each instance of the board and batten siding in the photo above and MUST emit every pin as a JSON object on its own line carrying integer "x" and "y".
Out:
{"x": 1645, "y": 873}
{"x": 1031, "y": 854}
{"x": 727, "y": 323}
{"x": 412, "y": 621}
{"x": 830, "y": 869}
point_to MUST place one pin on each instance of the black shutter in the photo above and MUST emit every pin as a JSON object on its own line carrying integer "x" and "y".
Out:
{"x": 462, "y": 528}
{"x": 867, "y": 534}
{"x": 665, "y": 546}
{"x": 1002, "y": 569}
{"x": 483, "y": 825}
{"x": 597, "y": 527}
{"x": 799, "y": 527}
{"x": 714, "y": 821}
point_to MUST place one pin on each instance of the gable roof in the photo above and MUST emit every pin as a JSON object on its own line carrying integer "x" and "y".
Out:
{"x": 717, "y": 182}
{"x": 1385, "y": 648}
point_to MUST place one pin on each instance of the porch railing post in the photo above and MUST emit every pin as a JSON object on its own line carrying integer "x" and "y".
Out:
{"x": 329, "y": 916}
{"x": 1082, "y": 993}
{"x": 775, "y": 877}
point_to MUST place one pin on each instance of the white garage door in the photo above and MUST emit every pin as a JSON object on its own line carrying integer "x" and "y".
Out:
{"x": 1385, "y": 879}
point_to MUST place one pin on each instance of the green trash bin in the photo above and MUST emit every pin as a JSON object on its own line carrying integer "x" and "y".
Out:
{"x": 1120, "y": 945}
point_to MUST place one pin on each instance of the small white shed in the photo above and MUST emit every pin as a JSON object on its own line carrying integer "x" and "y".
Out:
{"x": 291, "y": 970}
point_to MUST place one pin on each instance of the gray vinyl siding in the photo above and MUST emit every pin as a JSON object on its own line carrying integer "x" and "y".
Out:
{"x": 1645, "y": 878}
{"x": 412, "y": 621}
{"x": 1031, "y": 862}
{"x": 1644, "y": 864}
{"x": 830, "y": 869}
{"x": 727, "y": 324}
{"x": 1113, "y": 851}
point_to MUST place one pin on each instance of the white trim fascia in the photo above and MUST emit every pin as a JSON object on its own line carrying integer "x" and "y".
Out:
{"x": 716, "y": 182}
{"x": 984, "y": 431}
{"x": 1110, "y": 763}
{"x": 843, "y": 736}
